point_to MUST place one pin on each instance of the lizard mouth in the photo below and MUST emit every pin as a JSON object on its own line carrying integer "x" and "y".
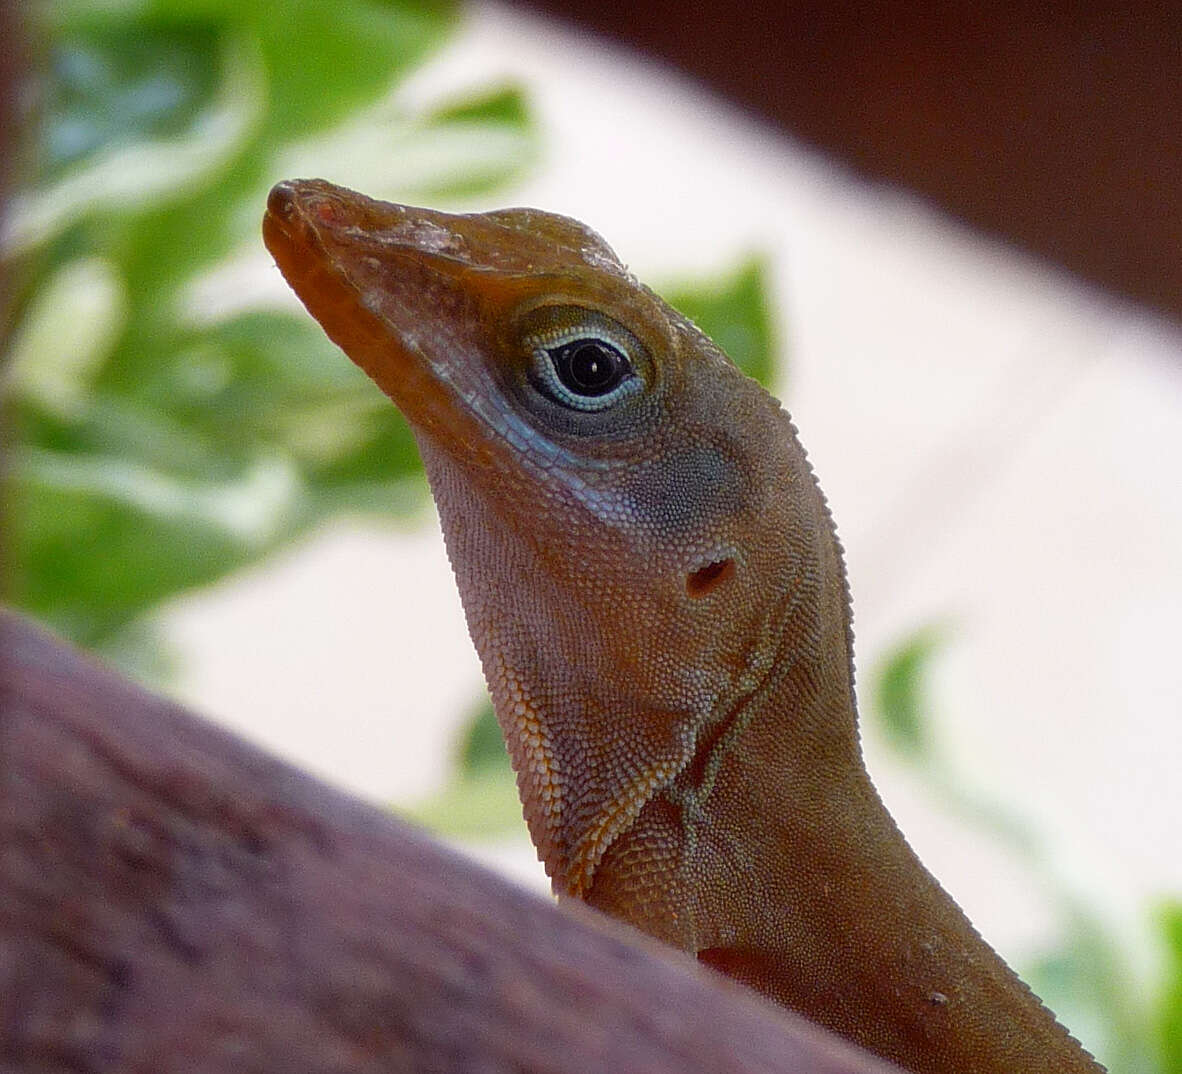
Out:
{"x": 382, "y": 281}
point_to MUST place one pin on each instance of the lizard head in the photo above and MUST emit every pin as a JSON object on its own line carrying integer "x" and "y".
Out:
{"x": 636, "y": 535}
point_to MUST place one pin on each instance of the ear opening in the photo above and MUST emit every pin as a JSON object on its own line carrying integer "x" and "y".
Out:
{"x": 705, "y": 580}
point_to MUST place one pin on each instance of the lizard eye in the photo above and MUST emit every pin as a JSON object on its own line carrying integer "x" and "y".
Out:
{"x": 584, "y": 365}
{"x": 589, "y": 367}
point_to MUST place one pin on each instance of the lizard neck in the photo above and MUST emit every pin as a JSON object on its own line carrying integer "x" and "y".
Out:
{"x": 752, "y": 838}
{"x": 809, "y": 894}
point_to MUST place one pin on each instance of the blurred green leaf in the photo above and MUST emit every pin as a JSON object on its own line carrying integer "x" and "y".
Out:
{"x": 53, "y": 360}
{"x": 1086, "y": 981}
{"x": 735, "y": 312}
{"x": 898, "y": 698}
{"x": 481, "y": 801}
{"x": 248, "y": 434}
{"x": 157, "y": 454}
{"x": 480, "y": 806}
{"x": 504, "y": 105}
{"x": 324, "y": 60}
{"x": 95, "y": 545}
{"x": 461, "y": 149}
{"x": 118, "y": 181}
{"x": 108, "y": 88}
{"x": 483, "y": 747}
{"x": 1169, "y": 1009}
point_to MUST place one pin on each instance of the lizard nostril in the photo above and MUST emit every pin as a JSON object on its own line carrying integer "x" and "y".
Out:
{"x": 281, "y": 200}
{"x": 708, "y": 578}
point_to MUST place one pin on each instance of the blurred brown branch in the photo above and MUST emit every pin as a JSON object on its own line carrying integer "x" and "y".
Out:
{"x": 171, "y": 899}
{"x": 11, "y": 72}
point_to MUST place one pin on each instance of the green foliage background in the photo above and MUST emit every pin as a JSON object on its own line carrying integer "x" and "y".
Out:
{"x": 161, "y": 447}
{"x": 160, "y": 450}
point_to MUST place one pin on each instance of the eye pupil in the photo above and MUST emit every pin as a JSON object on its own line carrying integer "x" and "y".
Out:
{"x": 589, "y": 367}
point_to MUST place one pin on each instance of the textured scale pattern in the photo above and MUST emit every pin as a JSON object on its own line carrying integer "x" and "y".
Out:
{"x": 657, "y": 594}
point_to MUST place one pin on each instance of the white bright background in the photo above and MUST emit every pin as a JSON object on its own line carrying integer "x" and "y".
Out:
{"x": 1000, "y": 446}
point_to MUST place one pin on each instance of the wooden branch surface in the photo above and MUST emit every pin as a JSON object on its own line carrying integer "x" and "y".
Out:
{"x": 172, "y": 899}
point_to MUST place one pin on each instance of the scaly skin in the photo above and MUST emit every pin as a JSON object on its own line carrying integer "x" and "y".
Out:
{"x": 653, "y": 582}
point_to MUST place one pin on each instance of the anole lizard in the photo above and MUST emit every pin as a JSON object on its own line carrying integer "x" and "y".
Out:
{"x": 654, "y": 584}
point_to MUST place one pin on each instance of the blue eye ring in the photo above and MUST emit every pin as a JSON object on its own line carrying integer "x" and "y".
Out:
{"x": 585, "y": 366}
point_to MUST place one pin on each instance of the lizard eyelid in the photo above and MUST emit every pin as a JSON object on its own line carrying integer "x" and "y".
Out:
{"x": 582, "y": 359}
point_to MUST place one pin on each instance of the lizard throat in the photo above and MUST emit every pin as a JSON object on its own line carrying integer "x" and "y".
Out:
{"x": 571, "y": 826}
{"x": 614, "y": 818}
